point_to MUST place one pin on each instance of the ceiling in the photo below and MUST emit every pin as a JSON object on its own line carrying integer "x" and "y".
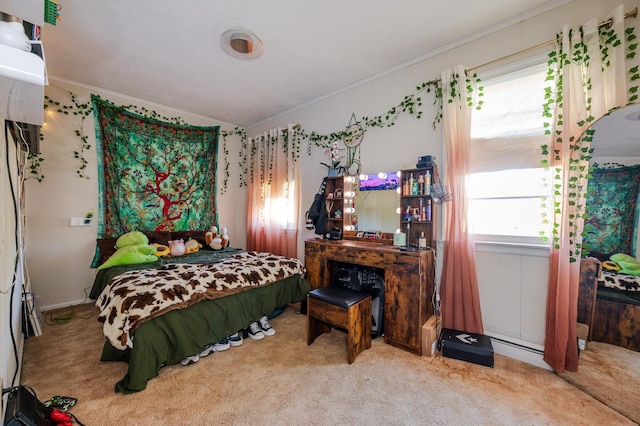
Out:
{"x": 169, "y": 53}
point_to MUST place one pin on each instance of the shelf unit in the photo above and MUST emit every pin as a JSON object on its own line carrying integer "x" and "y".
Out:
{"x": 338, "y": 196}
{"x": 417, "y": 209}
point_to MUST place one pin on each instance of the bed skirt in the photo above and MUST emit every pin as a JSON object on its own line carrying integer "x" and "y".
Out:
{"x": 171, "y": 337}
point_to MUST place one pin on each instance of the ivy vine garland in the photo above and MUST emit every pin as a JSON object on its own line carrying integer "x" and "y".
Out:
{"x": 553, "y": 98}
{"x": 83, "y": 110}
{"x": 409, "y": 105}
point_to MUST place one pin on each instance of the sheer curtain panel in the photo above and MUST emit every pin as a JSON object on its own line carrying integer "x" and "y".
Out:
{"x": 273, "y": 192}
{"x": 459, "y": 282}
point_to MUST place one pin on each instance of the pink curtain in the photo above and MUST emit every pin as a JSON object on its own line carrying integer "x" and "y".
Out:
{"x": 459, "y": 284}
{"x": 588, "y": 90}
{"x": 273, "y": 203}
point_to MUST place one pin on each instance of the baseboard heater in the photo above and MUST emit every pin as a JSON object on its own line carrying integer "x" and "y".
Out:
{"x": 520, "y": 352}
{"x": 517, "y": 346}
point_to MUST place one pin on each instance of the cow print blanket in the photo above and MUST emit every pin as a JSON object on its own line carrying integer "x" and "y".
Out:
{"x": 619, "y": 281}
{"x": 137, "y": 296}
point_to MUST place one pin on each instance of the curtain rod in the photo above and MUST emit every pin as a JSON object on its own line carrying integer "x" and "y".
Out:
{"x": 631, "y": 14}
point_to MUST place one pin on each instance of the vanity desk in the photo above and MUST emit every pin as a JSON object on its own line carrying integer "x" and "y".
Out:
{"x": 408, "y": 282}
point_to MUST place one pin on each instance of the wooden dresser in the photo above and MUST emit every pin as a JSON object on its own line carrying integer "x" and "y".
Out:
{"x": 408, "y": 280}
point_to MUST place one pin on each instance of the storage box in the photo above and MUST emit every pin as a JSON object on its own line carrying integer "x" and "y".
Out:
{"x": 582, "y": 330}
{"x": 466, "y": 346}
{"x": 430, "y": 337}
{"x": 399, "y": 239}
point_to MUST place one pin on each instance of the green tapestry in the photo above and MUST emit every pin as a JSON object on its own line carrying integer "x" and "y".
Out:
{"x": 612, "y": 210}
{"x": 153, "y": 175}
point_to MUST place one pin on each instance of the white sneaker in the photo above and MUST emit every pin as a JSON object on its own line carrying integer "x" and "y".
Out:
{"x": 266, "y": 327}
{"x": 255, "y": 332}
{"x": 222, "y": 345}
{"x": 235, "y": 339}
{"x": 190, "y": 360}
{"x": 207, "y": 350}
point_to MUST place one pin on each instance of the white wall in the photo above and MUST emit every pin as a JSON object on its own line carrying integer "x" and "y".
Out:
{"x": 59, "y": 255}
{"x": 514, "y": 303}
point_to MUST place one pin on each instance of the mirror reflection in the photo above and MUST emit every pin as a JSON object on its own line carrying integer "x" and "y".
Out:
{"x": 376, "y": 210}
{"x": 609, "y": 302}
{"x": 376, "y": 202}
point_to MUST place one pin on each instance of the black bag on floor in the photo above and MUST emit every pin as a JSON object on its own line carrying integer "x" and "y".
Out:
{"x": 317, "y": 213}
{"x": 465, "y": 346}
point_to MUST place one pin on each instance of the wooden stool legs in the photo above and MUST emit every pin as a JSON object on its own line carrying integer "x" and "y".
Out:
{"x": 355, "y": 319}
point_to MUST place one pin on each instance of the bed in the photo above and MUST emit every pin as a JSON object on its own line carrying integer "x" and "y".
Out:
{"x": 617, "y": 313}
{"x": 182, "y": 328}
{"x": 610, "y": 304}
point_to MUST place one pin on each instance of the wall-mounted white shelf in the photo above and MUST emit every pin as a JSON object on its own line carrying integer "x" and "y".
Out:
{"x": 29, "y": 10}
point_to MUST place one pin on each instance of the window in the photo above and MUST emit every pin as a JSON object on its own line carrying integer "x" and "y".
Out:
{"x": 507, "y": 181}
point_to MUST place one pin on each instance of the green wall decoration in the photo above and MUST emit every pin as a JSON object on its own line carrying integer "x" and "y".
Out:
{"x": 153, "y": 175}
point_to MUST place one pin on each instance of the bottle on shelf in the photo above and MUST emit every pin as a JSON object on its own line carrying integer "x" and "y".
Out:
{"x": 418, "y": 214}
{"x": 422, "y": 241}
{"x": 427, "y": 183}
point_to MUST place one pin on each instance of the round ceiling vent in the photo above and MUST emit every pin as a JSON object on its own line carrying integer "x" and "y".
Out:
{"x": 241, "y": 44}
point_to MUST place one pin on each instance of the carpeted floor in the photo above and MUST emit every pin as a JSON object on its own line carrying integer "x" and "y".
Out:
{"x": 611, "y": 374}
{"x": 282, "y": 381}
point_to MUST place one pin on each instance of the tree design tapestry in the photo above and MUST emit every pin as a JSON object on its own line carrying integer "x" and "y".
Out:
{"x": 612, "y": 214}
{"x": 153, "y": 175}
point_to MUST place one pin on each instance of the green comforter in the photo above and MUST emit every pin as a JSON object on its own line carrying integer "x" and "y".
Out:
{"x": 171, "y": 337}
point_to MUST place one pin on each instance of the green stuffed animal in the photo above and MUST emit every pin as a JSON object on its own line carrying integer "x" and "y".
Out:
{"x": 628, "y": 264}
{"x": 132, "y": 248}
{"x": 133, "y": 238}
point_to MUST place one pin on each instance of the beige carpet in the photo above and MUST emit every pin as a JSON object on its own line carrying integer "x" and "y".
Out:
{"x": 282, "y": 381}
{"x": 611, "y": 374}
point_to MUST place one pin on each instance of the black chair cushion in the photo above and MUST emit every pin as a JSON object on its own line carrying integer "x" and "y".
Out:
{"x": 338, "y": 296}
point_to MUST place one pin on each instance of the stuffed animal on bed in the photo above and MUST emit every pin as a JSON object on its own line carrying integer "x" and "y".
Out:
{"x": 192, "y": 246}
{"x": 177, "y": 247}
{"x": 215, "y": 241}
{"x": 628, "y": 264}
{"x": 132, "y": 248}
{"x": 161, "y": 250}
{"x": 133, "y": 238}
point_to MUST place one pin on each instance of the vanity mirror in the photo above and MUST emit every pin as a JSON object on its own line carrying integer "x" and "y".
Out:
{"x": 610, "y": 365}
{"x": 376, "y": 202}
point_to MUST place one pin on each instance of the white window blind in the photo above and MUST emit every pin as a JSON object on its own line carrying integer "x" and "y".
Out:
{"x": 507, "y": 180}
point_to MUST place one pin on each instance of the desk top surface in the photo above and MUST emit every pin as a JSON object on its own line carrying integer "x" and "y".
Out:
{"x": 367, "y": 245}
